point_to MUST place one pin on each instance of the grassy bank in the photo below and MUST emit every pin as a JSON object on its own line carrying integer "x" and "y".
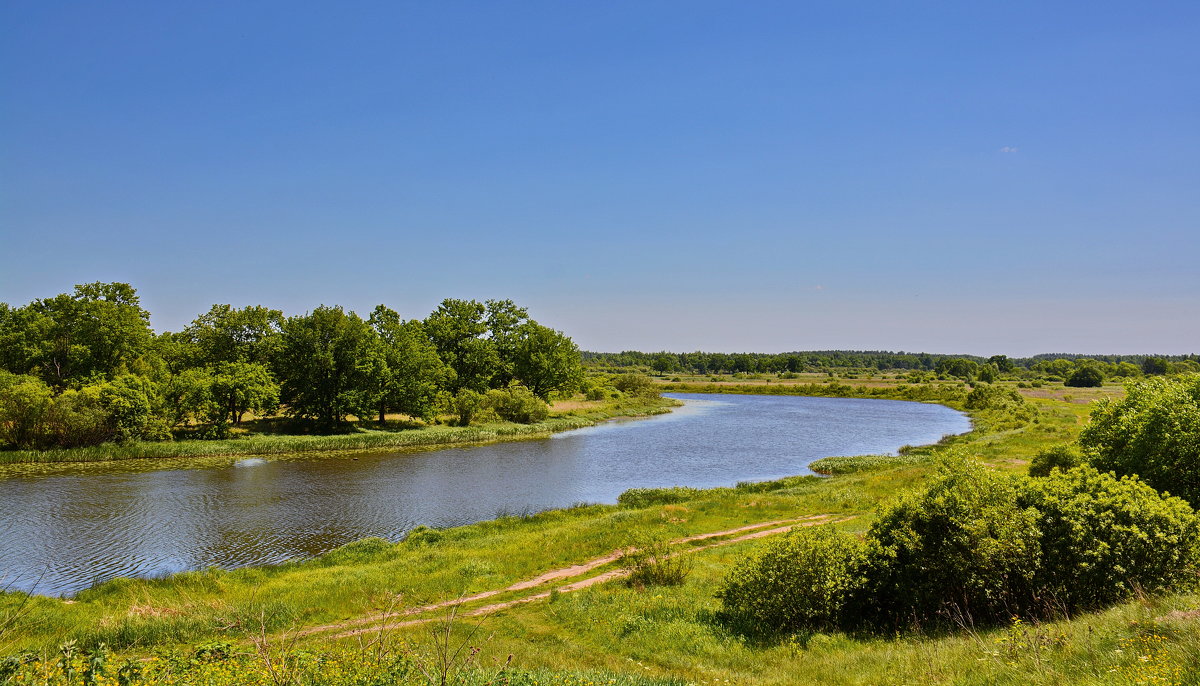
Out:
{"x": 300, "y": 613}
{"x": 363, "y": 436}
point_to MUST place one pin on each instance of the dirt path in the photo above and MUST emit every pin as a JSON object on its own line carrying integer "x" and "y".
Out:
{"x": 759, "y": 530}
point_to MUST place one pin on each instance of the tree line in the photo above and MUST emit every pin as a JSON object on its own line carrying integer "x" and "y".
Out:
{"x": 1052, "y": 367}
{"x": 86, "y": 367}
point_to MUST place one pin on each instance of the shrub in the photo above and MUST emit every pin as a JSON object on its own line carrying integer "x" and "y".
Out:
{"x": 960, "y": 550}
{"x": 634, "y": 384}
{"x": 645, "y": 497}
{"x": 1103, "y": 537}
{"x": 517, "y": 404}
{"x": 863, "y": 463}
{"x": 131, "y": 401}
{"x": 423, "y": 535}
{"x": 650, "y": 563}
{"x": 1085, "y": 377}
{"x": 802, "y": 580}
{"x": 26, "y": 406}
{"x": 1153, "y": 432}
{"x": 467, "y": 404}
{"x": 1062, "y": 457}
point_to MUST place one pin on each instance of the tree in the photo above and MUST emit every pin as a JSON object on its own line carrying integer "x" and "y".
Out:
{"x": 227, "y": 334}
{"x": 957, "y": 366}
{"x": 241, "y": 387}
{"x": 330, "y": 363}
{"x": 1127, "y": 370}
{"x": 413, "y": 375}
{"x": 26, "y": 404}
{"x": 93, "y": 332}
{"x": 1002, "y": 363}
{"x": 1155, "y": 366}
{"x": 1085, "y": 377}
{"x": 546, "y": 360}
{"x": 1153, "y": 432}
{"x": 988, "y": 373}
{"x": 504, "y": 322}
{"x": 458, "y": 329}
{"x": 187, "y": 397}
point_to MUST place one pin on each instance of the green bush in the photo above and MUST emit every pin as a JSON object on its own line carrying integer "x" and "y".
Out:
{"x": 990, "y": 397}
{"x": 645, "y": 497}
{"x": 959, "y": 550}
{"x": 1085, "y": 377}
{"x": 650, "y": 563}
{"x": 634, "y": 384}
{"x": 803, "y": 580}
{"x": 1061, "y": 457}
{"x": 851, "y": 464}
{"x": 467, "y": 404}
{"x": 975, "y": 547}
{"x": 1103, "y": 537}
{"x": 1153, "y": 432}
{"x": 517, "y": 404}
{"x": 131, "y": 402}
{"x": 423, "y": 535}
{"x": 26, "y": 407}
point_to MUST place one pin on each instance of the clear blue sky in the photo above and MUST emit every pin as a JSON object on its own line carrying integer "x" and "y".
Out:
{"x": 1007, "y": 177}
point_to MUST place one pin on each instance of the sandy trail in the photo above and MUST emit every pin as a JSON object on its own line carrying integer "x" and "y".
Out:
{"x": 759, "y": 530}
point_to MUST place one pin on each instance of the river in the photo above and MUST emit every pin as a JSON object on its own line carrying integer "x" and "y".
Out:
{"x": 61, "y": 533}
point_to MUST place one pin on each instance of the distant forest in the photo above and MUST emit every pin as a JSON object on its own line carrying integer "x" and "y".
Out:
{"x": 1049, "y": 364}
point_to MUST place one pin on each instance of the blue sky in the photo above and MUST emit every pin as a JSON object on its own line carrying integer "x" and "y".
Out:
{"x": 951, "y": 177}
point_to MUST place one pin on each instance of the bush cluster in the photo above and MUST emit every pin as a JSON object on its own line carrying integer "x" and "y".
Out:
{"x": 32, "y": 416}
{"x": 1154, "y": 432}
{"x": 973, "y": 547}
{"x": 517, "y": 404}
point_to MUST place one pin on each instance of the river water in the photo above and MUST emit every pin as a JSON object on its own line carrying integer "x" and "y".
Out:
{"x": 62, "y": 533}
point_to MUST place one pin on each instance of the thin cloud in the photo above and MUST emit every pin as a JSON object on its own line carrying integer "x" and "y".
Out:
{"x": 1008, "y": 148}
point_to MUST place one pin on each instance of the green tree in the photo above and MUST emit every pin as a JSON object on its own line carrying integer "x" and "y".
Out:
{"x": 94, "y": 332}
{"x": 187, "y": 397}
{"x": 458, "y": 329}
{"x": 26, "y": 406}
{"x": 228, "y": 334}
{"x": 132, "y": 403}
{"x": 1127, "y": 370}
{"x": 504, "y": 322}
{"x": 988, "y": 373}
{"x": 546, "y": 360}
{"x": 241, "y": 387}
{"x": 1153, "y": 432}
{"x": 413, "y": 374}
{"x": 1085, "y": 377}
{"x": 1155, "y": 366}
{"x": 1002, "y": 363}
{"x": 330, "y": 363}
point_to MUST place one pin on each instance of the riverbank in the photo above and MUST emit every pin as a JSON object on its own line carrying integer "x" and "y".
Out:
{"x": 363, "y": 438}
